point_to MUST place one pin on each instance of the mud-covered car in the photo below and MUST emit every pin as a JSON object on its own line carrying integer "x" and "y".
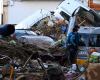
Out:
{"x": 40, "y": 41}
{"x": 21, "y": 32}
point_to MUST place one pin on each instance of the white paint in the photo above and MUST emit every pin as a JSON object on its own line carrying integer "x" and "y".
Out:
{"x": 1, "y": 6}
{"x": 69, "y": 6}
{"x": 1, "y": 10}
{"x": 85, "y": 2}
{"x": 20, "y": 10}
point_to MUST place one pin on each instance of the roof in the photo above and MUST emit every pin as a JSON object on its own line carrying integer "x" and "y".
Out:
{"x": 89, "y": 30}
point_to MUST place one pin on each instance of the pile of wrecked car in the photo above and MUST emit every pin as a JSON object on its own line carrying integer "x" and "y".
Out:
{"x": 36, "y": 46}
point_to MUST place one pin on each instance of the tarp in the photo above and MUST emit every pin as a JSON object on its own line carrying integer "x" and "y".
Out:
{"x": 31, "y": 20}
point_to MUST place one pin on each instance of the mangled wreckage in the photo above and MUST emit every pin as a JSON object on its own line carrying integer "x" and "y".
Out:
{"x": 39, "y": 30}
{"x": 72, "y": 11}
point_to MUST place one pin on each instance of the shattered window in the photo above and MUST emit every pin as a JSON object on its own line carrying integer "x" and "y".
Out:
{"x": 51, "y": 27}
{"x": 65, "y": 15}
{"x": 88, "y": 18}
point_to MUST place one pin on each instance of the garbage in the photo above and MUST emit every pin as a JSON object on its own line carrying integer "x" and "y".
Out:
{"x": 20, "y": 53}
{"x": 74, "y": 67}
{"x": 50, "y": 23}
{"x": 82, "y": 69}
{"x": 82, "y": 78}
{"x": 96, "y": 54}
{"x": 61, "y": 42}
{"x": 32, "y": 50}
{"x": 71, "y": 75}
{"x": 55, "y": 73}
{"x": 12, "y": 42}
{"x": 94, "y": 57}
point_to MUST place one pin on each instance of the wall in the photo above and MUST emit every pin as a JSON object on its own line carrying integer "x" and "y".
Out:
{"x": 1, "y": 10}
{"x": 96, "y": 1}
{"x": 18, "y": 11}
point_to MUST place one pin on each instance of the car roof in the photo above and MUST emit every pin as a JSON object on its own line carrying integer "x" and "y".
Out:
{"x": 89, "y": 30}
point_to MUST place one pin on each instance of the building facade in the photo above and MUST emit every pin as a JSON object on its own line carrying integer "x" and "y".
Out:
{"x": 1, "y": 11}
{"x": 94, "y": 4}
{"x": 17, "y": 10}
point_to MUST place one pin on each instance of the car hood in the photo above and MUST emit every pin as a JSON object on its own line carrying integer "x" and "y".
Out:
{"x": 32, "y": 19}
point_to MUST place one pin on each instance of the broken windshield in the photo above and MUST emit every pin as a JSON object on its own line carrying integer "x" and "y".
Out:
{"x": 84, "y": 17}
{"x": 90, "y": 17}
